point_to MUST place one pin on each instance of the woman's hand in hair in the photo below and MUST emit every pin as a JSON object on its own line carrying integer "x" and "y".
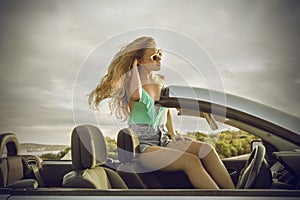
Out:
{"x": 134, "y": 64}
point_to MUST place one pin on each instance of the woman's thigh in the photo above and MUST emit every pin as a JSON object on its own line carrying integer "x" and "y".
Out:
{"x": 191, "y": 146}
{"x": 164, "y": 158}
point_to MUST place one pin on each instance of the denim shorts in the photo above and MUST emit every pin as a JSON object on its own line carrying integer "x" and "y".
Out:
{"x": 149, "y": 137}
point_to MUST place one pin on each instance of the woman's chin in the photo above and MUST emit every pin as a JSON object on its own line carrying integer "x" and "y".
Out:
{"x": 151, "y": 67}
{"x": 157, "y": 68}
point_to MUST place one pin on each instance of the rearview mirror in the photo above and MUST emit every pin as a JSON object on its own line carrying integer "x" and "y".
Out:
{"x": 209, "y": 117}
{"x": 211, "y": 121}
{"x": 254, "y": 143}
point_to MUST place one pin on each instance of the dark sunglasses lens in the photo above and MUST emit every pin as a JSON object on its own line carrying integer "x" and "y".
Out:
{"x": 154, "y": 57}
{"x": 159, "y": 53}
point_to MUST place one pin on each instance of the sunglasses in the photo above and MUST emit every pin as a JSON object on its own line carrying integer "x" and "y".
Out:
{"x": 156, "y": 56}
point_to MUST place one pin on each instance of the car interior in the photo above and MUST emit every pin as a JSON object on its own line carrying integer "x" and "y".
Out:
{"x": 90, "y": 167}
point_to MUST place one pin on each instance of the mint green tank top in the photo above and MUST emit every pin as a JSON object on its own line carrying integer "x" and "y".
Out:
{"x": 144, "y": 112}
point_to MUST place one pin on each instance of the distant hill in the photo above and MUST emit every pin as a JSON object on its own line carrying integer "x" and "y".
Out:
{"x": 35, "y": 148}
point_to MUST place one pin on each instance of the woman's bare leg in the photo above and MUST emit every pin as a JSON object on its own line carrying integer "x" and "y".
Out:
{"x": 167, "y": 159}
{"x": 210, "y": 159}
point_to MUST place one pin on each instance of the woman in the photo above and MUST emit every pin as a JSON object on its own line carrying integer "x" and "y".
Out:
{"x": 133, "y": 88}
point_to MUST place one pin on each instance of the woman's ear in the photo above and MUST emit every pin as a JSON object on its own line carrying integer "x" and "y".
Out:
{"x": 139, "y": 62}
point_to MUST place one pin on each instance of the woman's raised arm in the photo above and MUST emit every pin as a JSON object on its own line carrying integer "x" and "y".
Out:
{"x": 134, "y": 90}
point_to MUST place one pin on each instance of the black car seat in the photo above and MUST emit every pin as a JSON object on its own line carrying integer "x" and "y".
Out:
{"x": 129, "y": 169}
{"x": 134, "y": 175}
{"x": 89, "y": 155}
{"x": 12, "y": 168}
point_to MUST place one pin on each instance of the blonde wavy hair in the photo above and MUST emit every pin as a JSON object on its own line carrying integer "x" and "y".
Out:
{"x": 114, "y": 83}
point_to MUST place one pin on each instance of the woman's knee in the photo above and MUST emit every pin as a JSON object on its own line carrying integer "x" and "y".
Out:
{"x": 190, "y": 161}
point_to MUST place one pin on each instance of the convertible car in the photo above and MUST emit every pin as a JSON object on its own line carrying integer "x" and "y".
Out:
{"x": 270, "y": 170}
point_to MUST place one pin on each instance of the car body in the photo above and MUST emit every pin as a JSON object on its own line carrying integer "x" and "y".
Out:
{"x": 279, "y": 133}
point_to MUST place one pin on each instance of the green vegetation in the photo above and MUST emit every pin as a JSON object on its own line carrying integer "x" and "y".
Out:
{"x": 111, "y": 146}
{"x": 58, "y": 156}
{"x": 226, "y": 143}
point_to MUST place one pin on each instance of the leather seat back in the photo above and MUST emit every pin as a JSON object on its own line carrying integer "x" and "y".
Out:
{"x": 130, "y": 170}
{"x": 89, "y": 154}
{"x": 11, "y": 165}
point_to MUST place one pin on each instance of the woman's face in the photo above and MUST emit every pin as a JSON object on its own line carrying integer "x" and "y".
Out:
{"x": 151, "y": 59}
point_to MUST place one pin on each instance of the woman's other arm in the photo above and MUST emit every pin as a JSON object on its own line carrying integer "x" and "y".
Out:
{"x": 174, "y": 136}
{"x": 169, "y": 125}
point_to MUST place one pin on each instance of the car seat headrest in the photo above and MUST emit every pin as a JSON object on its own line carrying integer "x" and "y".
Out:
{"x": 10, "y": 141}
{"x": 128, "y": 145}
{"x": 88, "y": 147}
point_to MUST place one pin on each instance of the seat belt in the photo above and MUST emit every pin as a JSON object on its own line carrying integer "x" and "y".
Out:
{"x": 37, "y": 175}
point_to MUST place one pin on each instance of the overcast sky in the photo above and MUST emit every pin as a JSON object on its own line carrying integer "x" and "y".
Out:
{"x": 44, "y": 45}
